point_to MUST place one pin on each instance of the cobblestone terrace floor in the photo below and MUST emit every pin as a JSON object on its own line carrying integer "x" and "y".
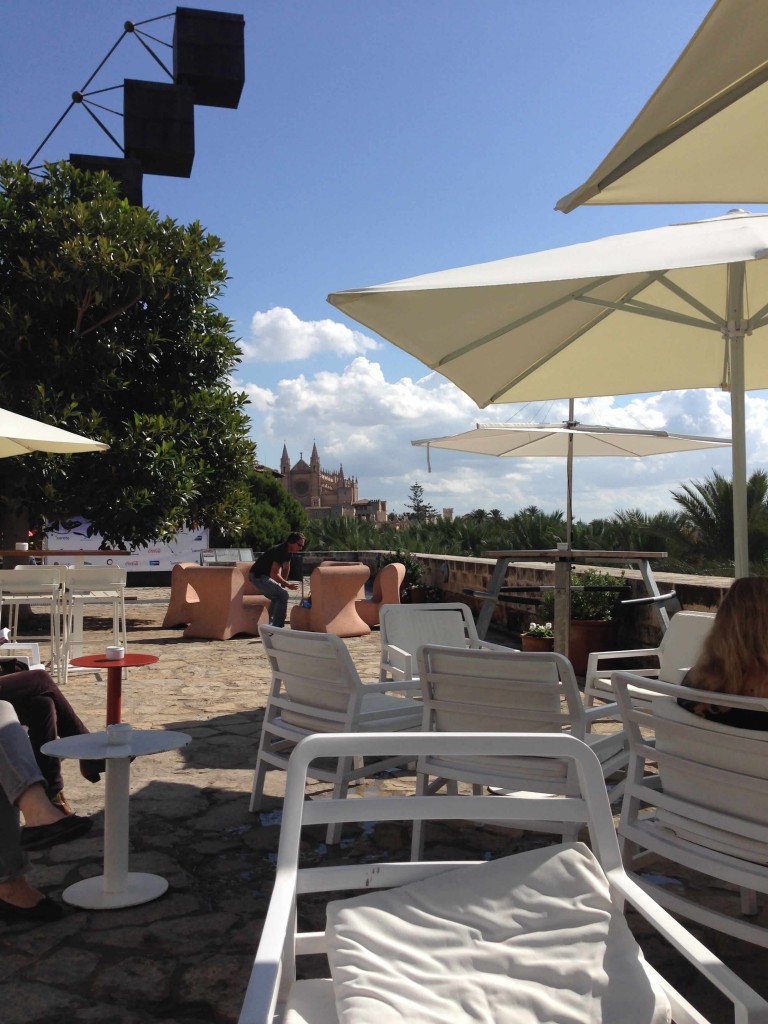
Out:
{"x": 185, "y": 958}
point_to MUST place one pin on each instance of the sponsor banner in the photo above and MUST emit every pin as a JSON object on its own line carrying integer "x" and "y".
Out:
{"x": 157, "y": 557}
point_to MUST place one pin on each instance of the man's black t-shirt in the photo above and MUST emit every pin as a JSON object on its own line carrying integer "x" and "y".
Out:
{"x": 263, "y": 564}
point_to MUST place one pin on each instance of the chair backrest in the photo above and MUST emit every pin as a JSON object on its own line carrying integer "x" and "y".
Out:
{"x": 316, "y": 674}
{"x": 387, "y": 583}
{"x": 55, "y": 572}
{"x": 476, "y": 690}
{"x": 47, "y": 578}
{"x": 27, "y": 652}
{"x": 95, "y": 577}
{"x": 408, "y": 627}
{"x": 712, "y": 776}
{"x": 681, "y": 644}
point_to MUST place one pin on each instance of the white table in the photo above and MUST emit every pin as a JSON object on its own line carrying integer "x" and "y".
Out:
{"x": 117, "y": 887}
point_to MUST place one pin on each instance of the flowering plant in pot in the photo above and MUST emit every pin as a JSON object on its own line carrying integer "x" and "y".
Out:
{"x": 538, "y": 637}
{"x": 593, "y": 599}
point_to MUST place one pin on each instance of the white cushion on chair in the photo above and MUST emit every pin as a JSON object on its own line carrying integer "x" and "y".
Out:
{"x": 520, "y": 940}
{"x": 311, "y": 1002}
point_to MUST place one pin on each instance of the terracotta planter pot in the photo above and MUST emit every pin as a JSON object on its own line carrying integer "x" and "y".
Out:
{"x": 588, "y": 635}
{"x": 537, "y": 643}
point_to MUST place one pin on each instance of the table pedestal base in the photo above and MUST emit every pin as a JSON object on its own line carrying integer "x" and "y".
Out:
{"x": 138, "y": 887}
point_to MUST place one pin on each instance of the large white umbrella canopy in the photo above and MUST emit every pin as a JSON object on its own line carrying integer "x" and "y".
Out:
{"x": 567, "y": 440}
{"x": 20, "y": 435}
{"x": 676, "y": 307}
{"x": 700, "y": 138}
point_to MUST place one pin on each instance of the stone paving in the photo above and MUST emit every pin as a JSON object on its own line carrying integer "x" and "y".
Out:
{"x": 185, "y": 958}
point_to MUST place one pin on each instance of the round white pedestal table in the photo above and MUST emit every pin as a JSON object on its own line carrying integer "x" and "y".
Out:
{"x": 117, "y": 887}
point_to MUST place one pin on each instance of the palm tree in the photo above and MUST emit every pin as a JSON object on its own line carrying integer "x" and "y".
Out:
{"x": 707, "y": 515}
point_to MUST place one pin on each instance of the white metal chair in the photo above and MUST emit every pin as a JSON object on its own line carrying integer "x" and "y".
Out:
{"x": 679, "y": 648}
{"x": 28, "y": 653}
{"x": 405, "y": 628}
{"x": 698, "y": 797}
{"x": 37, "y": 585}
{"x": 88, "y": 586}
{"x": 538, "y": 936}
{"x": 316, "y": 688}
{"x": 502, "y": 691}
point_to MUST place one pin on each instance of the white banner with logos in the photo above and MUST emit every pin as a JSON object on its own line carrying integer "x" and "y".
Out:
{"x": 157, "y": 557}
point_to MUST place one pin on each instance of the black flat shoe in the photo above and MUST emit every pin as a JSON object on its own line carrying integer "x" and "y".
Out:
{"x": 40, "y": 837}
{"x": 44, "y": 911}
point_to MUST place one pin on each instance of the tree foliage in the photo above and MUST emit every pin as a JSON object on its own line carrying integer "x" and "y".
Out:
{"x": 108, "y": 327}
{"x": 272, "y": 515}
{"x": 707, "y": 516}
{"x": 421, "y": 510}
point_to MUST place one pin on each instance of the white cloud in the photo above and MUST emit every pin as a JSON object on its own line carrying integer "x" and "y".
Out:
{"x": 280, "y": 336}
{"x": 364, "y": 421}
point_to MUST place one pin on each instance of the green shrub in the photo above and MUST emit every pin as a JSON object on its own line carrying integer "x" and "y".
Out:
{"x": 587, "y": 604}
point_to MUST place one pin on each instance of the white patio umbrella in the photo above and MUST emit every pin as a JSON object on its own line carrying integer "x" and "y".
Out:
{"x": 20, "y": 435}
{"x": 675, "y": 307}
{"x": 700, "y": 137}
{"x": 567, "y": 440}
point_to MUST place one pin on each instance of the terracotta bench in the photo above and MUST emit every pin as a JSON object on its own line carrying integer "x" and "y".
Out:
{"x": 386, "y": 590}
{"x": 215, "y": 602}
{"x": 334, "y": 589}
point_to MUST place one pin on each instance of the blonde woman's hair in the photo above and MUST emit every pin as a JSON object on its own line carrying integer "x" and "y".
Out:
{"x": 734, "y": 657}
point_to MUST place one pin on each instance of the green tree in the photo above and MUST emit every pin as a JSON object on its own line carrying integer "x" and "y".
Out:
{"x": 108, "y": 327}
{"x": 272, "y": 515}
{"x": 421, "y": 510}
{"x": 707, "y": 516}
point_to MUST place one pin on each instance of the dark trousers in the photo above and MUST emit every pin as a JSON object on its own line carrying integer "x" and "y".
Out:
{"x": 47, "y": 714}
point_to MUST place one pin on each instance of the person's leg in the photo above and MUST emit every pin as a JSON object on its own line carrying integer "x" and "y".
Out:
{"x": 278, "y": 600}
{"x": 21, "y": 788}
{"x": 47, "y": 714}
{"x": 18, "y": 771}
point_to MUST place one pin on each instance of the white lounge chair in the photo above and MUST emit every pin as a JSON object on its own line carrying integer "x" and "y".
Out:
{"x": 697, "y": 797}
{"x": 316, "y": 688}
{"x": 405, "y": 628}
{"x": 538, "y": 936}
{"x": 505, "y": 691}
{"x": 678, "y": 650}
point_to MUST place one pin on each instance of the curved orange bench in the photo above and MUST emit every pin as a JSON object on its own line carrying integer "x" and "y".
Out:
{"x": 215, "y": 602}
{"x": 386, "y": 590}
{"x": 334, "y": 589}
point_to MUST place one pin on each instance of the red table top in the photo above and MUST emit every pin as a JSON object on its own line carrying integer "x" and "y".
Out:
{"x": 102, "y": 661}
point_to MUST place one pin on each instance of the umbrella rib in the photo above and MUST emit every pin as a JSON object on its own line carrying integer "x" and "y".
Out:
{"x": 647, "y": 309}
{"x": 685, "y": 125}
{"x": 691, "y": 300}
{"x": 514, "y": 324}
{"x": 582, "y": 297}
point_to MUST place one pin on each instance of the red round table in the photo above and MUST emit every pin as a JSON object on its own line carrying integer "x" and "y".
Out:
{"x": 114, "y": 676}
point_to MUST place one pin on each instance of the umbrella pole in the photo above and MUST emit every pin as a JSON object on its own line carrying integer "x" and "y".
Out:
{"x": 569, "y": 480}
{"x": 735, "y": 338}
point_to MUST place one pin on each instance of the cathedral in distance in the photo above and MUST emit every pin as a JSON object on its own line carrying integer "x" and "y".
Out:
{"x": 327, "y": 494}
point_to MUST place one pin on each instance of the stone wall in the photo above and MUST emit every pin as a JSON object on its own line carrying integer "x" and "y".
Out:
{"x": 454, "y": 574}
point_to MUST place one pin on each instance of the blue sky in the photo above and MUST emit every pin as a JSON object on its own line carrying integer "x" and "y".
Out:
{"x": 375, "y": 140}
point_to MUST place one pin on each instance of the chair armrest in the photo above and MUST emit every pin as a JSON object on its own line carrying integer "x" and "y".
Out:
{"x": 28, "y": 651}
{"x": 400, "y": 686}
{"x": 599, "y": 711}
{"x": 748, "y": 1005}
{"x": 399, "y": 661}
{"x": 266, "y": 980}
{"x": 597, "y": 656}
